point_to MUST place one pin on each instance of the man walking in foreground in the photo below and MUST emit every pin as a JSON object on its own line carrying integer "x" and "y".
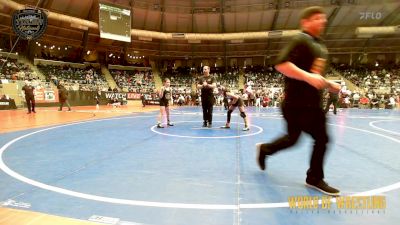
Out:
{"x": 303, "y": 63}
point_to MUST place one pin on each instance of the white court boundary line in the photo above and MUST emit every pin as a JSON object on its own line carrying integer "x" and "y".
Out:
{"x": 20, "y": 177}
{"x": 260, "y": 130}
{"x": 378, "y": 128}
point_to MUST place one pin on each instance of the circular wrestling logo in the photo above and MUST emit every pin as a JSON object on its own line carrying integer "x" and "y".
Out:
{"x": 29, "y": 23}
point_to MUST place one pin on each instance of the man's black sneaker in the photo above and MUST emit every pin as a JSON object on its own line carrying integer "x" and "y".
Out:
{"x": 205, "y": 124}
{"x": 260, "y": 156}
{"x": 323, "y": 187}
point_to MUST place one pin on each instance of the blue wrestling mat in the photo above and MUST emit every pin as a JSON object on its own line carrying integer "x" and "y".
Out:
{"x": 124, "y": 170}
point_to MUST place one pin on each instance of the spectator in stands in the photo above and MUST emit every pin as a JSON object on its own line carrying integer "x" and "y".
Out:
{"x": 258, "y": 100}
{"x": 364, "y": 101}
{"x": 35, "y": 83}
{"x": 346, "y": 101}
{"x": 302, "y": 62}
{"x": 63, "y": 97}
{"x": 266, "y": 101}
{"x": 356, "y": 99}
{"x": 397, "y": 99}
{"x": 14, "y": 77}
{"x": 193, "y": 98}
{"x": 207, "y": 84}
{"x": 374, "y": 103}
{"x": 115, "y": 103}
{"x": 28, "y": 91}
{"x": 391, "y": 102}
{"x": 181, "y": 100}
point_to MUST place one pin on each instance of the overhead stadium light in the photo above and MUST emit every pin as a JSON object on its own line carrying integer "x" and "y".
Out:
{"x": 275, "y": 33}
{"x": 377, "y": 30}
{"x": 194, "y": 41}
{"x": 178, "y": 35}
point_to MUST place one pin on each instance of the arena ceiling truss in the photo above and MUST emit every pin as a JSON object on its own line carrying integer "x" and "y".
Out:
{"x": 235, "y": 28}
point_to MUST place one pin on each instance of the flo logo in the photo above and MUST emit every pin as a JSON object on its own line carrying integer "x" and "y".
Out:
{"x": 29, "y": 23}
{"x": 371, "y": 15}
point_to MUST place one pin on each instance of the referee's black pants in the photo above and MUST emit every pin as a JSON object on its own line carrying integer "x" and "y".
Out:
{"x": 207, "y": 111}
{"x": 30, "y": 103}
{"x": 333, "y": 101}
{"x": 311, "y": 121}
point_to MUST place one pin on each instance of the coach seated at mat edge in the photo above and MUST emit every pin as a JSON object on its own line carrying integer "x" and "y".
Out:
{"x": 7, "y": 103}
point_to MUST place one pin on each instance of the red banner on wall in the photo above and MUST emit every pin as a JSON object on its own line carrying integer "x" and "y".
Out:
{"x": 133, "y": 96}
{"x": 46, "y": 95}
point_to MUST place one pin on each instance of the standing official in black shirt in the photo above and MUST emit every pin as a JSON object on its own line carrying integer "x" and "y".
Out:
{"x": 207, "y": 84}
{"x": 303, "y": 63}
{"x": 29, "y": 96}
{"x": 63, "y": 97}
{"x": 332, "y": 99}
